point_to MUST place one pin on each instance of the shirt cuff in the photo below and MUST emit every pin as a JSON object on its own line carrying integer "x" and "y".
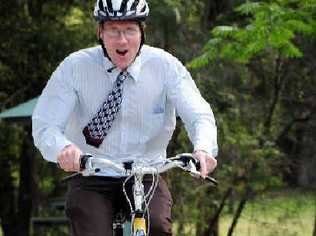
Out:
{"x": 212, "y": 151}
{"x": 53, "y": 147}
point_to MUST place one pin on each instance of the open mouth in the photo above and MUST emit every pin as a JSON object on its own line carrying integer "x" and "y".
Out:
{"x": 121, "y": 52}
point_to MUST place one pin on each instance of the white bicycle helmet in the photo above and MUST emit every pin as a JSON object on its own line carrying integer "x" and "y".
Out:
{"x": 106, "y": 10}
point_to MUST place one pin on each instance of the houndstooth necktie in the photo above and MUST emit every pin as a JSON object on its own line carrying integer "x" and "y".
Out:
{"x": 101, "y": 123}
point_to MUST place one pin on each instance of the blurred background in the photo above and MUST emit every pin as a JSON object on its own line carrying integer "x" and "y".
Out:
{"x": 254, "y": 62}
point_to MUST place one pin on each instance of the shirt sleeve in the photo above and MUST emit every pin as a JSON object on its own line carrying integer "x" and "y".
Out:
{"x": 195, "y": 112}
{"x": 52, "y": 112}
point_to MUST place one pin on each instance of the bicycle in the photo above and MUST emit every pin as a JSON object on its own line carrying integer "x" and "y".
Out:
{"x": 90, "y": 166}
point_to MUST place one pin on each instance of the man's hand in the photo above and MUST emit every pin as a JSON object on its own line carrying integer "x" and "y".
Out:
{"x": 69, "y": 158}
{"x": 207, "y": 162}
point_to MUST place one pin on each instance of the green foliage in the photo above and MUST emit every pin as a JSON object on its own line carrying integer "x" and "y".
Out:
{"x": 256, "y": 49}
{"x": 253, "y": 60}
{"x": 271, "y": 27}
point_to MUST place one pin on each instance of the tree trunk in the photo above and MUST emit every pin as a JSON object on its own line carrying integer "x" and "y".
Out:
{"x": 213, "y": 9}
{"x": 35, "y": 8}
{"x": 240, "y": 208}
{"x": 28, "y": 185}
{"x": 279, "y": 82}
{"x": 7, "y": 191}
{"x": 7, "y": 198}
{"x": 212, "y": 229}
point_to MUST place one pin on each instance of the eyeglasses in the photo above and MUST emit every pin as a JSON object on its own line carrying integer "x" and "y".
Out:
{"x": 116, "y": 33}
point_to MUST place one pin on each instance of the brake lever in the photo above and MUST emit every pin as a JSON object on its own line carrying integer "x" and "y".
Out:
{"x": 211, "y": 180}
{"x": 207, "y": 178}
{"x": 194, "y": 170}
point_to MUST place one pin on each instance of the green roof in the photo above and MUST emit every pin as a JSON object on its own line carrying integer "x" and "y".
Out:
{"x": 22, "y": 110}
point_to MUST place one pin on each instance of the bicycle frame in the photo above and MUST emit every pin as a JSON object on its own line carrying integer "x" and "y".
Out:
{"x": 90, "y": 166}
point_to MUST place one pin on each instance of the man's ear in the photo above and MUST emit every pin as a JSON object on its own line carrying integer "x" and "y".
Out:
{"x": 99, "y": 30}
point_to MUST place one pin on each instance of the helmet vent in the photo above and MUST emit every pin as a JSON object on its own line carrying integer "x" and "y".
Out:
{"x": 123, "y": 8}
{"x": 143, "y": 9}
{"x": 109, "y": 4}
{"x": 101, "y": 7}
{"x": 135, "y": 3}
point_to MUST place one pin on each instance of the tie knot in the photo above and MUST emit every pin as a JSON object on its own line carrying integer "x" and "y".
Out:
{"x": 123, "y": 75}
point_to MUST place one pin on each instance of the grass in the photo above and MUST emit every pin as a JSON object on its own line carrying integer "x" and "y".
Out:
{"x": 286, "y": 213}
{"x": 289, "y": 213}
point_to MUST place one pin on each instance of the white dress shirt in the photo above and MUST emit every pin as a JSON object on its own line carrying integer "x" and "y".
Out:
{"x": 159, "y": 86}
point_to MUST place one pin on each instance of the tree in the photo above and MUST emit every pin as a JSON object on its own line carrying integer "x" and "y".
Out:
{"x": 263, "y": 56}
{"x": 43, "y": 33}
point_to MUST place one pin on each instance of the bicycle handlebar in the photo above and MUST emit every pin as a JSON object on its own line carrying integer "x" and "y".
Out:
{"x": 90, "y": 165}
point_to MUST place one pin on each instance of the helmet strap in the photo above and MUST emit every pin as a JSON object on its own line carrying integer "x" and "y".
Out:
{"x": 105, "y": 53}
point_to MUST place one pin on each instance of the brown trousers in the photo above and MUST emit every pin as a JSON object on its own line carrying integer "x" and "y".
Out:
{"x": 91, "y": 203}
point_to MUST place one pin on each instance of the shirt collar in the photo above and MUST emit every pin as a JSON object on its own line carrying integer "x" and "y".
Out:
{"x": 133, "y": 69}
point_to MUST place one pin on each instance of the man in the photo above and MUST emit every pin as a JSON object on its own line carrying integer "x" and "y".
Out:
{"x": 118, "y": 101}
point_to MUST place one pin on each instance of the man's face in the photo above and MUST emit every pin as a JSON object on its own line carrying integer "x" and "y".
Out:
{"x": 122, "y": 41}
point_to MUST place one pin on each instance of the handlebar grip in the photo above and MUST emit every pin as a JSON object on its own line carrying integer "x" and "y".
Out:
{"x": 83, "y": 161}
{"x": 198, "y": 165}
{"x": 186, "y": 158}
